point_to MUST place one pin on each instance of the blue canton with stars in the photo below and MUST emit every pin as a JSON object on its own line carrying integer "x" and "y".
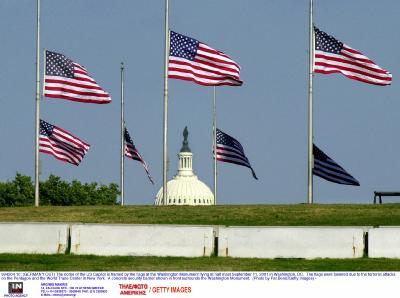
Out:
{"x": 326, "y": 43}
{"x": 128, "y": 138}
{"x": 224, "y": 139}
{"x": 59, "y": 65}
{"x": 183, "y": 46}
{"x": 46, "y": 129}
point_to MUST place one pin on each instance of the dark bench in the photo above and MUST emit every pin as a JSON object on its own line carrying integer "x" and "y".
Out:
{"x": 380, "y": 194}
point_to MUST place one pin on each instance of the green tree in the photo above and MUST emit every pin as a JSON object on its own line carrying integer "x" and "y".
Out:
{"x": 56, "y": 192}
{"x": 19, "y": 192}
{"x": 7, "y": 194}
{"x": 24, "y": 190}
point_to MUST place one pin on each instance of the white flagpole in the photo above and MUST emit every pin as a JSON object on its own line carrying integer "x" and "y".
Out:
{"x": 215, "y": 144}
{"x": 165, "y": 147}
{"x": 310, "y": 109}
{"x": 122, "y": 153}
{"x": 37, "y": 117}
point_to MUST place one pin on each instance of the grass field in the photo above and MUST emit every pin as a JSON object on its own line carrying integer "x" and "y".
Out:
{"x": 240, "y": 215}
{"x": 95, "y": 263}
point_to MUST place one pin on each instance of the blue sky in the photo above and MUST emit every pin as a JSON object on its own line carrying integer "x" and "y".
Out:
{"x": 356, "y": 124}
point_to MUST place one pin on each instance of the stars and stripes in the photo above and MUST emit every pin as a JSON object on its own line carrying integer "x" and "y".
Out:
{"x": 332, "y": 56}
{"x": 133, "y": 153}
{"x": 65, "y": 79}
{"x": 230, "y": 150}
{"x": 192, "y": 60}
{"x": 328, "y": 169}
{"x": 61, "y": 144}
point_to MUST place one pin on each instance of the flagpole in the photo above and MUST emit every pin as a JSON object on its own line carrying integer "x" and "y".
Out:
{"x": 165, "y": 146}
{"x": 122, "y": 152}
{"x": 37, "y": 117}
{"x": 215, "y": 144}
{"x": 310, "y": 109}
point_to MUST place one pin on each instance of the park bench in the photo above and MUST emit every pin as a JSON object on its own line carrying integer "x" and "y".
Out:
{"x": 380, "y": 194}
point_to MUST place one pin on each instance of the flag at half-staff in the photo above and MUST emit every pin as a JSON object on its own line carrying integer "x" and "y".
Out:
{"x": 65, "y": 79}
{"x": 192, "y": 60}
{"x": 332, "y": 56}
{"x": 61, "y": 144}
{"x": 326, "y": 168}
{"x": 132, "y": 153}
{"x": 230, "y": 150}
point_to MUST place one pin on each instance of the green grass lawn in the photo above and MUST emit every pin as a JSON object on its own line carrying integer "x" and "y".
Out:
{"x": 239, "y": 215}
{"x": 95, "y": 263}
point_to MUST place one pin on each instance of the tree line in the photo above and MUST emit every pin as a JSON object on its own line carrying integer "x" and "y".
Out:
{"x": 56, "y": 192}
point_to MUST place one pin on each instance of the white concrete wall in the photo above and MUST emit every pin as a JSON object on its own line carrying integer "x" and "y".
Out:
{"x": 39, "y": 238}
{"x": 142, "y": 240}
{"x": 384, "y": 242}
{"x": 291, "y": 242}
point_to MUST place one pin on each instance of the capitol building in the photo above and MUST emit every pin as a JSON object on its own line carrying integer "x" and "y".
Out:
{"x": 185, "y": 188}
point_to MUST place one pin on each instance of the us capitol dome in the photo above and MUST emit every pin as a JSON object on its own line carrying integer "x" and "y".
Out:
{"x": 185, "y": 188}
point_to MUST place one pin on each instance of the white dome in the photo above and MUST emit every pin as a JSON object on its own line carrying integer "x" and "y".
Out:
{"x": 186, "y": 188}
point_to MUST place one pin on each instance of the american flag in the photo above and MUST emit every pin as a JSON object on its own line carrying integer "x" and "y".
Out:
{"x": 61, "y": 144}
{"x": 328, "y": 169}
{"x": 133, "y": 153}
{"x": 230, "y": 150}
{"x": 192, "y": 60}
{"x": 333, "y": 56}
{"x": 65, "y": 79}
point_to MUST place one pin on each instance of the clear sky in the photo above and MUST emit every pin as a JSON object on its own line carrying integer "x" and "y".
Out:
{"x": 355, "y": 123}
